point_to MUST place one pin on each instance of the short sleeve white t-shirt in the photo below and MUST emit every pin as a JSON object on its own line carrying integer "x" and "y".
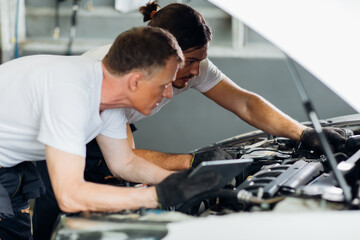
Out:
{"x": 55, "y": 101}
{"x": 209, "y": 76}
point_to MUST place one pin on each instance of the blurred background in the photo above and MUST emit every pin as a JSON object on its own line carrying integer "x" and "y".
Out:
{"x": 190, "y": 121}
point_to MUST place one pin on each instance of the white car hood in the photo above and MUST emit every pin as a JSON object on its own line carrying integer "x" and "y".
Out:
{"x": 323, "y": 36}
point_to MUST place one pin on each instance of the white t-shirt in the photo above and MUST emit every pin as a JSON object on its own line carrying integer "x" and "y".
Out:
{"x": 55, "y": 101}
{"x": 209, "y": 76}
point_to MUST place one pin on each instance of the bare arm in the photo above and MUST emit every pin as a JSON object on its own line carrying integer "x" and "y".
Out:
{"x": 123, "y": 163}
{"x": 130, "y": 136}
{"x": 173, "y": 162}
{"x": 254, "y": 110}
{"x": 74, "y": 194}
{"x": 168, "y": 161}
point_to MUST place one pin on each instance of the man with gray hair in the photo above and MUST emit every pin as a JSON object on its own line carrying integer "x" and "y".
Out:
{"x": 52, "y": 106}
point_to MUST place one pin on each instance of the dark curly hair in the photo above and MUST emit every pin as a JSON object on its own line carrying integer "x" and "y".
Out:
{"x": 185, "y": 23}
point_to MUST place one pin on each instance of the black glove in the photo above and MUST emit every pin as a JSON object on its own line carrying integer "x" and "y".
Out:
{"x": 178, "y": 187}
{"x": 211, "y": 155}
{"x": 335, "y": 136}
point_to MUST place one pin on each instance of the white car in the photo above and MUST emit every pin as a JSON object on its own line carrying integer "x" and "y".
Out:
{"x": 288, "y": 191}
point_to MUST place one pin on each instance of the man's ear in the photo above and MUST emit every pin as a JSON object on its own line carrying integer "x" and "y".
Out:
{"x": 134, "y": 80}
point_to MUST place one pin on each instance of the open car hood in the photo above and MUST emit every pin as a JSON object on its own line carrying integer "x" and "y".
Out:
{"x": 322, "y": 36}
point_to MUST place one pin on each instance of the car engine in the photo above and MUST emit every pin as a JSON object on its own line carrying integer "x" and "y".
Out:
{"x": 283, "y": 173}
{"x": 282, "y": 168}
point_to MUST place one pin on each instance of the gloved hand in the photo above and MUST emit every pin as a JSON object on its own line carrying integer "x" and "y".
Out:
{"x": 335, "y": 136}
{"x": 178, "y": 187}
{"x": 211, "y": 155}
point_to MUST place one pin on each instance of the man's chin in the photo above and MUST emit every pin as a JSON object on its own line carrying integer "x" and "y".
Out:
{"x": 146, "y": 112}
{"x": 179, "y": 85}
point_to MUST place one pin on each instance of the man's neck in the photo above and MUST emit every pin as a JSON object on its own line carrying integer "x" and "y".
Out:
{"x": 113, "y": 91}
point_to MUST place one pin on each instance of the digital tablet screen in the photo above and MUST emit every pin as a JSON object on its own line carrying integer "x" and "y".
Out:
{"x": 227, "y": 169}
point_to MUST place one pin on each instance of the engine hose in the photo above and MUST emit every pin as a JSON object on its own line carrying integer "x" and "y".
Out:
{"x": 241, "y": 196}
{"x": 247, "y": 197}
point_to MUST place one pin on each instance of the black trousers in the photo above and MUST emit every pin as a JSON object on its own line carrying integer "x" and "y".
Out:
{"x": 46, "y": 209}
{"x": 21, "y": 183}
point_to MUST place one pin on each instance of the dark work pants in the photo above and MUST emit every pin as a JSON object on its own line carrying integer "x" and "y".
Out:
{"x": 19, "y": 183}
{"x": 46, "y": 210}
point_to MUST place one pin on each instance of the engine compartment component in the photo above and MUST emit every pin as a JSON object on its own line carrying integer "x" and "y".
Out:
{"x": 282, "y": 168}
{"x": 282, "y": 176}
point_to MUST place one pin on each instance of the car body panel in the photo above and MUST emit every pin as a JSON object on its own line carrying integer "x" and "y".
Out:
{"x": 321, "y": 35}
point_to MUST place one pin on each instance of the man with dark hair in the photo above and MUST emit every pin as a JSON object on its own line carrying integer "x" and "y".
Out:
{"x": 51, "y": 106}
{"x": 193, "y": 35}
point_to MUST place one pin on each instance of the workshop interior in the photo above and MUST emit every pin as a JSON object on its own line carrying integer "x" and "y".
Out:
{"x": 269, "y": 174}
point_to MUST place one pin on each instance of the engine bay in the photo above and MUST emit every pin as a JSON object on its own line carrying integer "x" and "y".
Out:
{"x": 282, "y": 172}
{"x": 282, "y": 168}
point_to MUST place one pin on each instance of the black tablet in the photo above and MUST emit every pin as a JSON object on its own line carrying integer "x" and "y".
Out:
{"x": 227, "y": 169}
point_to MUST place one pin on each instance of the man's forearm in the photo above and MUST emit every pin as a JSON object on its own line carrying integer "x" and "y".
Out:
{"x": 105, "y": 198}
{"x": 254, "y": 110}
{"x": 123, "y": 163}
{"x": 167, "y": 161}
{"x": 140, "y": 170}
{"x": 74, "y": 194}
{"x": 263, "y": 115}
